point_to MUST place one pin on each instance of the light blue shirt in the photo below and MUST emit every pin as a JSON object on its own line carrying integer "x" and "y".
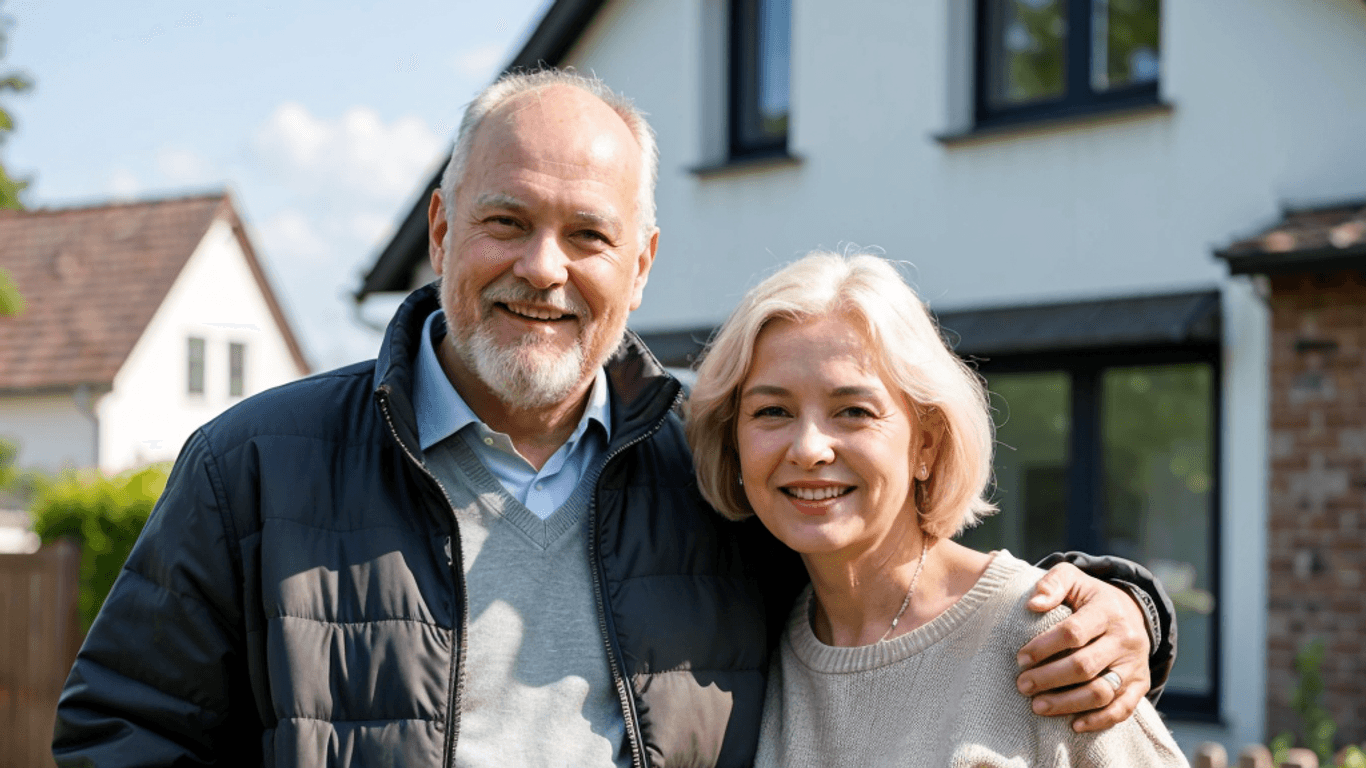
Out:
{"x": 442, "y": 413}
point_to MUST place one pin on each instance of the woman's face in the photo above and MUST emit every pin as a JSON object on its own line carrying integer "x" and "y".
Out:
{"x": 827, "y": 450}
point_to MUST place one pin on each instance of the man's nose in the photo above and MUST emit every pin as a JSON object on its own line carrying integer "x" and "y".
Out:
{"x": 544, "y": 263}
{"x": 811, "y": 445}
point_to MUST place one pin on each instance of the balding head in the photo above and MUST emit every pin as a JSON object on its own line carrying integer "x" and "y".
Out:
{"x": 514, "y": 85}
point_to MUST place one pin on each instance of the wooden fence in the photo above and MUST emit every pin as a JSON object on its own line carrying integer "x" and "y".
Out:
{"x": 39, "y": 637}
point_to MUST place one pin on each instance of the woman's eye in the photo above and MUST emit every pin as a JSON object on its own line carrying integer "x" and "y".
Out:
{"x": 858, "y": 412}
{"x": 769, "y": 411}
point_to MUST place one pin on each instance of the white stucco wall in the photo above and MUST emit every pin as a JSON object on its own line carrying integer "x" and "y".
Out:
{"x": 52, "y": 431}
{"x": 1266, "y": 109}
{"x": 149, "y": 413}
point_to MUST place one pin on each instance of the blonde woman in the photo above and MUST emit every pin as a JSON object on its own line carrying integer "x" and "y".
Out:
{"x": 829, "y": 406}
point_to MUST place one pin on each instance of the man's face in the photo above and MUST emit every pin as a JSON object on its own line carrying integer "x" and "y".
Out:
{"x": 543, "y": 258}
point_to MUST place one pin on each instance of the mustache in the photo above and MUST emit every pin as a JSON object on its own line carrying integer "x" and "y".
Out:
{"x": 520, "y": 293}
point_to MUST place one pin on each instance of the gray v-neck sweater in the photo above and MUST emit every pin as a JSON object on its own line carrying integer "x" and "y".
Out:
{"x": 942, "y": 695}
{"x": 538, "y": 690}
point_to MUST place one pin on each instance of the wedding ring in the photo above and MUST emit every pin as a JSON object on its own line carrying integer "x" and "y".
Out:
{"x": 1112, "y": 677}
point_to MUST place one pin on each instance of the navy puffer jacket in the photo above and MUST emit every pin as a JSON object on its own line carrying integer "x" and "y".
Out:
{"x": 293, "y": 600}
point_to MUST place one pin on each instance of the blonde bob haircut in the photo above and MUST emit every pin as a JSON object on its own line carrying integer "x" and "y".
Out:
{"x": 913, "y": 358}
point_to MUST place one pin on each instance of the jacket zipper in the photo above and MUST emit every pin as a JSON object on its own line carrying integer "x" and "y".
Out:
{"x": 455, "y": 558}
{"x": 628, "y": 702}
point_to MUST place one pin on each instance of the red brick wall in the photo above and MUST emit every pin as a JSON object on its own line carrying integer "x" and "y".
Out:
{"x": 1317, "y": 546}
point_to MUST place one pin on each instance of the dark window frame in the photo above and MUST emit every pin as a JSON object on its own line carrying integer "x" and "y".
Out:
{"x": 196, "y": 365}
{"x": 1078, "y": 99}
{"x": 742, "y": 105}
{"x": 1085, "y": 506}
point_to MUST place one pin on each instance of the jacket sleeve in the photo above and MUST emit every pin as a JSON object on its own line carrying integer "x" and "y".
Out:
{"x": 1148, "y": 592}
{"x": 161, "y": 678}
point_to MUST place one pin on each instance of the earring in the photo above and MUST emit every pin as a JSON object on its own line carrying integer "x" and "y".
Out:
{"x": 740, "y": 479}
{"x": 924, "y": 473}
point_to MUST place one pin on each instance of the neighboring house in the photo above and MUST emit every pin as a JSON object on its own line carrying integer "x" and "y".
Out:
{"x": 143, "y": 321}
{"x": 1060, "y": 174}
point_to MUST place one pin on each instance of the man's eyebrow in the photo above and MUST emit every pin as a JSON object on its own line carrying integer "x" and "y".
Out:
{"x": 498, "y": 200}
{"x": 604, "y": 220}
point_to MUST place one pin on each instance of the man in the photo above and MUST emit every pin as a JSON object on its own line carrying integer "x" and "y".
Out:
{"x": 485, "y": 547}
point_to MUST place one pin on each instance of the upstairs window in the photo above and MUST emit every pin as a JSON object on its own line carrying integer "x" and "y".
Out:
{"x": 237, "y": 369}
{"x": 760, "y": 65}
{"x": 195, "y": 378}
{"x": 1046, "y": 58}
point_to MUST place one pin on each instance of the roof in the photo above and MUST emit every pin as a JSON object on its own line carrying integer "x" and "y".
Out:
{"x": 1323, "y": 238}
{"x": 93, "y": 277}
{"x": 547, "y": 46}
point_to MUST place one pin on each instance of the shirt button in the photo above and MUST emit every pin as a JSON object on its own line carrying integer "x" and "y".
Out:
{"x": 488, "y": 441}
{"x": 540, "y": 486}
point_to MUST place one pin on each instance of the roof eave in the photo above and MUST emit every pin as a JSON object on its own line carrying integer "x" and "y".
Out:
{"x": 1313, "y": 260}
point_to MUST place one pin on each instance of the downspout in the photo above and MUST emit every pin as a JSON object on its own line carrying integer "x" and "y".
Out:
{"x": 85, "y": 403}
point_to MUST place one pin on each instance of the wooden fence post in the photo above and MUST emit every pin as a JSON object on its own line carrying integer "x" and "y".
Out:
{"x": 39, "y": 637}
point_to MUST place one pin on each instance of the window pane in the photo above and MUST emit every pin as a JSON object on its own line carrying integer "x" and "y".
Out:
{"x": 1027, "y": 42}
{"x": 775, "y": 37}
{"x": 196, "y": 366}
{"x": 237, "y": 362}
{"x": 1157, "y": 432}
{"x": 1033, "y": 425}
{"x": 1125, "y": 48}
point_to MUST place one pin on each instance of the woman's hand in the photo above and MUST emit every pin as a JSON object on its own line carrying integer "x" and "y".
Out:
{"x": 1064, "y": 666}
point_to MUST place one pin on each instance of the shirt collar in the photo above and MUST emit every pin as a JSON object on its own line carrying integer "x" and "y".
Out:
{"x": 441, "y": 411}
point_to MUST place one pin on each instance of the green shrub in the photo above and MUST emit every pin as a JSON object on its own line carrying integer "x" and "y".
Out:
{"x": 105, "y": 515}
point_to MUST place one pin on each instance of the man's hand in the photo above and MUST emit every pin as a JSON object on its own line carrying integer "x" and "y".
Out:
{"x": 1105, "y": 633}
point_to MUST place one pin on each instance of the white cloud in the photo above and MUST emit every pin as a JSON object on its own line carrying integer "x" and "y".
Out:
{"x": 357, "y": 153}
{"x": 478, "y": 63}
{"x": 291, "y": 235}
{"x": 183, "y": 167}
{"x": 122, "y": 184}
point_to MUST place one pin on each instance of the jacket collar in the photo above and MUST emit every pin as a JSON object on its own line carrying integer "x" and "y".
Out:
{"x": 642, "y": 391}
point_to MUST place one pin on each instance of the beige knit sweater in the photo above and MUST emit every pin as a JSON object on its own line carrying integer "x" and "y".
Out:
{"x": 941, "y": 695}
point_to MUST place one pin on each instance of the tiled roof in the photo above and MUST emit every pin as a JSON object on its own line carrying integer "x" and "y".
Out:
{"x": 92, "y": 278}
{"x": 1307, "y": 239}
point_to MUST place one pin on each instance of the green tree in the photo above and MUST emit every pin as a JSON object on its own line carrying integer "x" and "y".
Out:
{"x": 11, "y": 303}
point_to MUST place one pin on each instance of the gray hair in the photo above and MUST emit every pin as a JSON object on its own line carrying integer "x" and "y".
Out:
{"x": 516, "y": 83}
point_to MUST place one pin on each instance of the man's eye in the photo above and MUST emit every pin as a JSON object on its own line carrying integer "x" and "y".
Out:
{"x": 594, "y": 235}
{"x": 502, "y": 221}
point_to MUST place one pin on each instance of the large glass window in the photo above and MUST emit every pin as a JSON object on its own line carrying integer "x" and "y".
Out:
{"x": 1047, "y": 57}
{"x": 1117, "y": 456}
{"x": 761, "y": 35}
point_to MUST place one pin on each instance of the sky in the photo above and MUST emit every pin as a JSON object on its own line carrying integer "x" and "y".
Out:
{"x": 323, "y": 119}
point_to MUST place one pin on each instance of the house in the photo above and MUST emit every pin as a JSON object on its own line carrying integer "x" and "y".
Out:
{"x": 143, "y": 321}
{"x": 1124, "y": 212}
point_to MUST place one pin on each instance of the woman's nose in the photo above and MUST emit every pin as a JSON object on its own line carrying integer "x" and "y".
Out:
{"x": 811, "y": 446}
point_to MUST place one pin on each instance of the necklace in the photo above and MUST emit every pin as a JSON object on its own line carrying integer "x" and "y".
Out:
{"x": 924, "y": 548}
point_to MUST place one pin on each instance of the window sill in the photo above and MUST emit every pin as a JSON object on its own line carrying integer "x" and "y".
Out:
{"x": 1080, "y": 116}
{"x": 758, "y": 161}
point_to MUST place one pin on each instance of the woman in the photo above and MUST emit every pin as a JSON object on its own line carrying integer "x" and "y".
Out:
{"x": 829, "y": 406}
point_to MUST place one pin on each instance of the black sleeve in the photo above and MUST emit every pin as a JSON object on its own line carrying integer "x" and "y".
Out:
{"x": 161, "y": 677}
{"x": 1147, "y": 591}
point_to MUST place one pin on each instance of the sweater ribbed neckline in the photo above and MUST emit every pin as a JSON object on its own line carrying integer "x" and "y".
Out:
{"x": 828, "y": 659}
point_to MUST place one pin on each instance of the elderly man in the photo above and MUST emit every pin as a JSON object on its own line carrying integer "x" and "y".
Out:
{"x": 484, "y": 548}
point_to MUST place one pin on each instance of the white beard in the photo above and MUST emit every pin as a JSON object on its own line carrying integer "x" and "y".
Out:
{"x": 521, "y": 375}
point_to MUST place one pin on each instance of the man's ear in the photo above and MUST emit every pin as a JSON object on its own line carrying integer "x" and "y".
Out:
{"x": 645, "y": 260}
{"x": 436, "y": 232}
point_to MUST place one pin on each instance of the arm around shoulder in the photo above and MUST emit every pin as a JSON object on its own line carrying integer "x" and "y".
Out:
{"x": 162, "y": 676}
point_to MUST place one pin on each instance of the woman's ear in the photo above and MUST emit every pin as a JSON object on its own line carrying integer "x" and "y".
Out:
{"x": 927, "y": 441}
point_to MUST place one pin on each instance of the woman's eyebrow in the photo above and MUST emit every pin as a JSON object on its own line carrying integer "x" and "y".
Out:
{"x": 765, "y": 390}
